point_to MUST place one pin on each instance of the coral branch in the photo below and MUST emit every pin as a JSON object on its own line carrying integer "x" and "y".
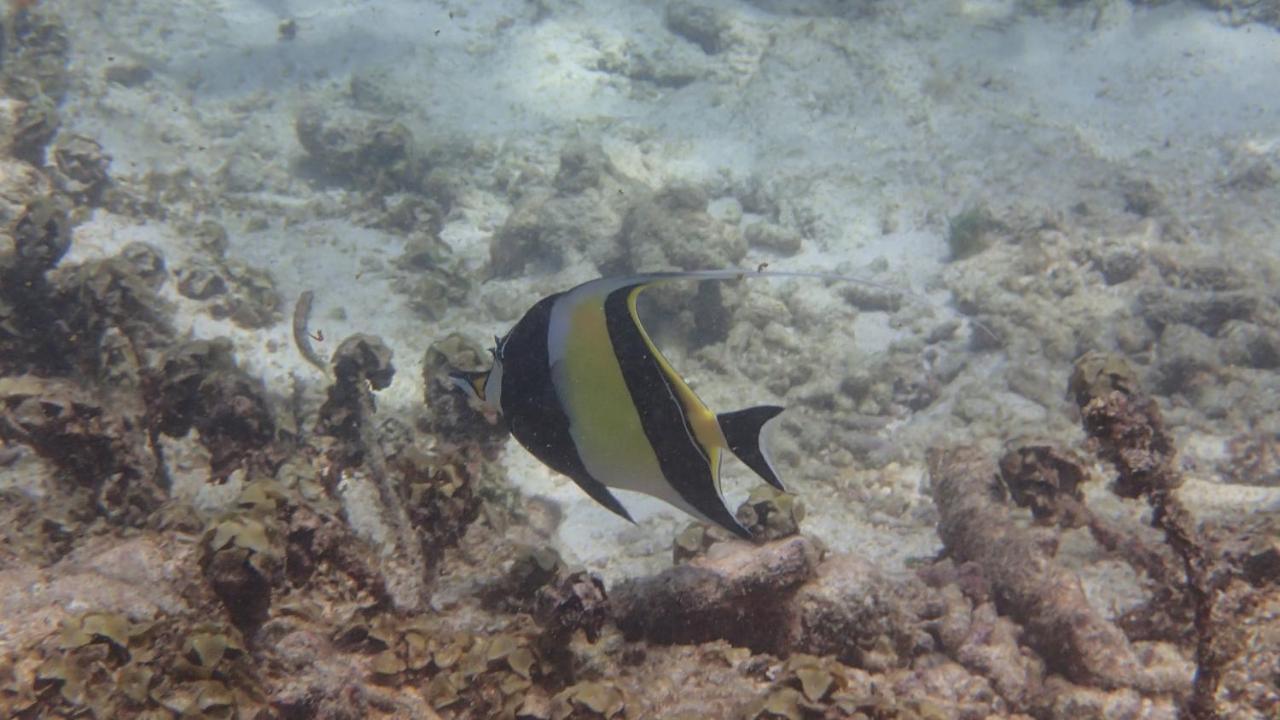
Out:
{"x": 1130, "y": 433}
{"x": 1047, "y": 479}
{"x": 1047, "y": 599}
{"x": 361, "y": 365}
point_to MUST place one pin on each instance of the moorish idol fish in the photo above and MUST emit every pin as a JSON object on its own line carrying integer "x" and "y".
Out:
{"x": 583, "y": 387}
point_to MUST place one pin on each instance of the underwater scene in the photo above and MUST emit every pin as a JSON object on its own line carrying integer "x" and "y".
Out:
{"x": 640, "y": 359}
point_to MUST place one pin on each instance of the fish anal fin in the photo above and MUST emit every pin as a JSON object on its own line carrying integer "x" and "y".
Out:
{"x": 745, "y": 432}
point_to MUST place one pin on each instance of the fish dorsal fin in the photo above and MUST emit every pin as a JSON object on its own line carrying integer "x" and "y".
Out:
{"x": 730, "y": 274}
{"x": 700, "y": 419}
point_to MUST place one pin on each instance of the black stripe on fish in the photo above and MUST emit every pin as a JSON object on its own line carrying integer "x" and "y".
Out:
{"x": 531, "y": 408}
{"x": 684, "y": 462}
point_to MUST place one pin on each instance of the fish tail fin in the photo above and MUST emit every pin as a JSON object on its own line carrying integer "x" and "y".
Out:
{"x": 745, "y": 432}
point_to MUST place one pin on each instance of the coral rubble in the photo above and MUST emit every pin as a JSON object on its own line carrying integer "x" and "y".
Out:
{"x": 182, "y": 537}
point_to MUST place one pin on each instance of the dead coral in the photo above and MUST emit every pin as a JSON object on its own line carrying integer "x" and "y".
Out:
{"x": 692, "y": 542}
{"x": 357, "y": 148}
{"x": 861, "y": 615}
{"x": 1254, "y": 459}
{"x": 573, "y": 602}
{"x": 235, "y": 290}
{"x": 147, "y": 261}
{"x": 1130, "y": 433}
{"x": 433, "y": 290}
{"x": 251, "y": 300}
{"x": 200, "y": 282}
{"x": 35, "y": 232}
{"x": 532, "y": 569}
{"x": 242, "y": 558}
{"x": 36, "y": 49}
{"x": 581, "y": 216}
{"x": 80, "y": 169}
{"x": 433, "y": 280}
{"x": 1047, "y": 479}
{"x": 198, "y": 385}
{"x": 1042, "y": 596}
{"x": 361, "y": 365}
{"x": 673, "y": 228}
{"x": 33, "y": 70}
{"x": 106, "y": 299}
{"x": 770, "y": 514}
{"x": 101, "y": 451}
{"x": 972, "y": 231}
{"x": 712, "y": 597}
{"x": 27, "y": 127}
{"x": 446, "y": 413}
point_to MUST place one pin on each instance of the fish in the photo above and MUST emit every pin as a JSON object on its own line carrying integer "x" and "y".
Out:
{"x": 582, "y": 386}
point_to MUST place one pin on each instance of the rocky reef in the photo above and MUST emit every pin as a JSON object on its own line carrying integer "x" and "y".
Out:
{"x": 184, "y": 537}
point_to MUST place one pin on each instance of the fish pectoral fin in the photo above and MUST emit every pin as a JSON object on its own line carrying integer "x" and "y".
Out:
{"x": 746, "y": 431}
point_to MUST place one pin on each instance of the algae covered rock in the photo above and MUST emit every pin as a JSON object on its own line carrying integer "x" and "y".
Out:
{"x": 770, "y": 514}
{"x": 241, "y": 557}
{"x": 80, "y": 166}
{"x": 35, "y": 230}
{"x": 252, "y": 300}
{"x": 199, "y": 385}
{"x": 109, "y": 666}
{"x": 674, "y": 229}
{"x": 972, "y": 231}
{"x": 102, "y": 451}
{"x": 446, "y": 412}
{"x": 579, "y": 217}
{"x": 358, "y": 148}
